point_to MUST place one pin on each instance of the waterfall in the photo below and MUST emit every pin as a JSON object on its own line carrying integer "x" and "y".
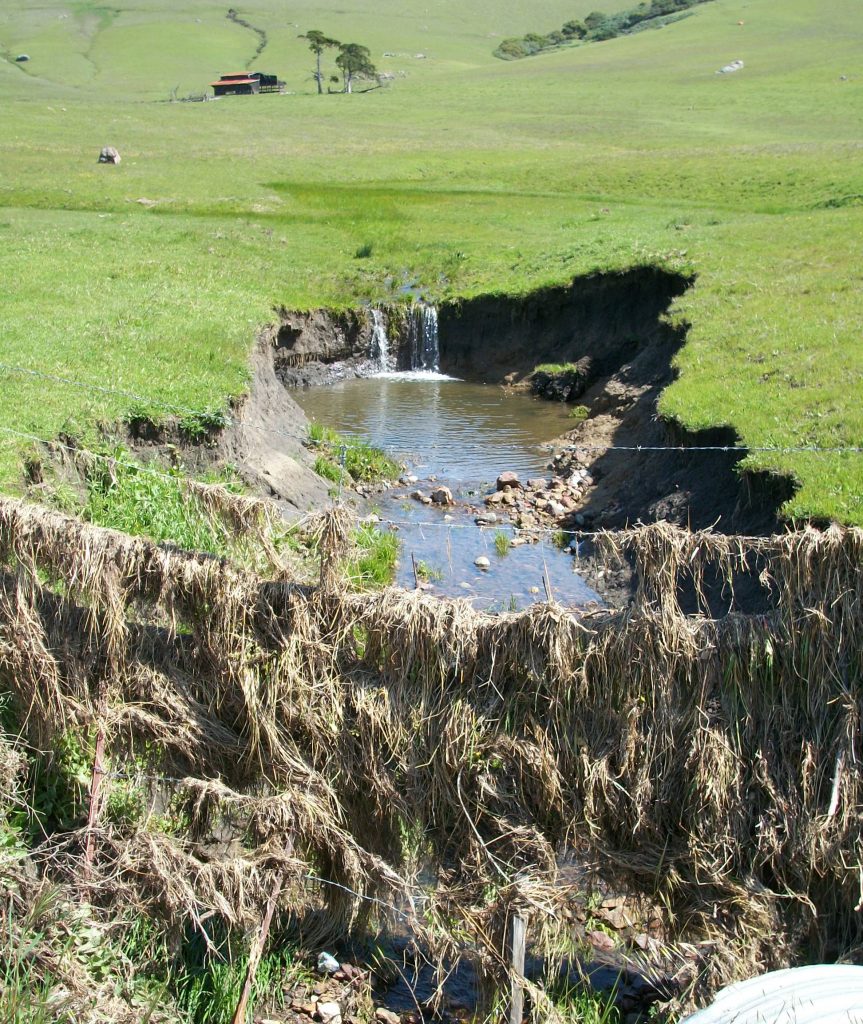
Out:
{"x": 423, "y": 339}
{"x": 380, "y": 342}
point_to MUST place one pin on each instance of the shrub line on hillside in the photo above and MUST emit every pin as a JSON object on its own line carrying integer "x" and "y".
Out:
{"x": 597, "y": 27}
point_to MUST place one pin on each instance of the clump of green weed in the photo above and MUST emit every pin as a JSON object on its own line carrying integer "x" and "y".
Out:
{"x": 327, "y": 469}
{"x": 577, "y": 1004}
{"x": 374, "y": 563}
{"x": 362, "y": 462}
{"x": 196, "y": 426}
{"x": 367, "y": 463}
{"x": 502, "y": 543}
{"x": 60, "y": 784}
{"x": 144, "y": 418}
{"x": 579, "y": 413}
{"x": 319, "y": 433}
{"x": 202, "y": 424}
{"x": 427, "y": 572}
{"x": 556, "y": 369}
{"x": 127, "y": 496}
{"x": 206, "y": 976}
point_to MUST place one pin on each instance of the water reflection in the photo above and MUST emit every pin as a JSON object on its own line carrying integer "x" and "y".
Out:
{"x": 463, "y": 435}
{"x": 466, "y": 432}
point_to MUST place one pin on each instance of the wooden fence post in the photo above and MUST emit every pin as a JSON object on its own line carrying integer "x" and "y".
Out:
{"x": 256, "y": 951}
{"x": 95, "y": 787}
{"x": 518, "y": 936}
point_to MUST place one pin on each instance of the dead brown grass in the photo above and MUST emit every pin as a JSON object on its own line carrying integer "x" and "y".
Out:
{"x": 713, "y": 764}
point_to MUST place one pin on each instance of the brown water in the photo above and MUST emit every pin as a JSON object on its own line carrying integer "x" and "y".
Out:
{"x": 466, "y": 433}
{"x": 462, "y": 435}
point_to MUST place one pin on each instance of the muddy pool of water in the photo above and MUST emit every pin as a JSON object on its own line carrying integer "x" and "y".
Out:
{"x": 462, "y": 435}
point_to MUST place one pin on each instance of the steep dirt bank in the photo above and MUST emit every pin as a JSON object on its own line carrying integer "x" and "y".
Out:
{"x": 604, "y": 317}
{"x": 490, "y": 338}
{"x": 322, "y": 345}
{"x": 614, "y": 327}
{"x": 689, "y": 483}
{"x": 265, "y": 439}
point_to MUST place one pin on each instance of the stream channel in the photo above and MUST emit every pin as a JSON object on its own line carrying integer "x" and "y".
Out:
{"x": 462, "y": 435}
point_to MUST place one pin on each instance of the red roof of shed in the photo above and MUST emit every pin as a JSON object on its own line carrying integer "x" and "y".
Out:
{"x": 235, "y": 81}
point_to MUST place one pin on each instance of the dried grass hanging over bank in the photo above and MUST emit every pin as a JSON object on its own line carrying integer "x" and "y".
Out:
{"x": 712, "y": 763}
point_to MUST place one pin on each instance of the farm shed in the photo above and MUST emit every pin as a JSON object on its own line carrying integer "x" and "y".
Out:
{"x": 246, "y": 84}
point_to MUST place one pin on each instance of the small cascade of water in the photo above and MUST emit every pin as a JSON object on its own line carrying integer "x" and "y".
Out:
{"x": 423, "y": 339}
{"x": 380, "y": 342}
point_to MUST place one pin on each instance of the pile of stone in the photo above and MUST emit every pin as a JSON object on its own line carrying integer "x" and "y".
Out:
{"x": 541, "y": 501}
{"x": 439, "y": 496}
{"x": 341, "y": 996}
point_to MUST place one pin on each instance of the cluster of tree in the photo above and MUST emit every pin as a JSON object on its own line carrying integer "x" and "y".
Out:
{"x": 353, "y": 61}
{"x": 597, "y": 27}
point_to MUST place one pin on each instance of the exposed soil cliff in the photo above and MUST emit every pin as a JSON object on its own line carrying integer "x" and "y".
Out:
{"x": 265, "y": 440}
{"x": 605, "y": 317}
{"x": 321, "y": 345}
{"x": 614, "y": 328}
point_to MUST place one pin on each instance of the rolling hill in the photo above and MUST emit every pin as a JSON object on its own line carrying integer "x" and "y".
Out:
{"x": 465, "y": 173}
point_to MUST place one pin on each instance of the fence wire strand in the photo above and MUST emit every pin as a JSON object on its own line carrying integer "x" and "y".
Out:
{"x": 12, "y": 368}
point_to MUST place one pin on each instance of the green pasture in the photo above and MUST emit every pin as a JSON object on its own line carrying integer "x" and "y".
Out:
{"x": 463, "y": 175}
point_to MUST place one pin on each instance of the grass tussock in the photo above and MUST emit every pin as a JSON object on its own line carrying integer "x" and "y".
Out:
{"x": 338, "y": 455}
{"x": 711, "y": 763}
{"x": 557, "y": 369}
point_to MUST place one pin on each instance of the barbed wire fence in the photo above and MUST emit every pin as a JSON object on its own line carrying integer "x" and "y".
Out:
{"x": 780, "y": 449}
{"x": 99, "y": 774}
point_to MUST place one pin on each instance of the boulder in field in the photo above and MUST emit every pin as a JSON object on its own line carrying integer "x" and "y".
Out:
{"x": 109, "y": 155}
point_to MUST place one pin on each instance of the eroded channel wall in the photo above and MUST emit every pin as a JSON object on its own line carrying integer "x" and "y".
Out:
{"x": 606, "y": 317}
{"x": 614, "y": 328}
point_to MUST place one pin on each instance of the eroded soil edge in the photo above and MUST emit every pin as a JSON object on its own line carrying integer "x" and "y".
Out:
{"x": 616, "y": 328}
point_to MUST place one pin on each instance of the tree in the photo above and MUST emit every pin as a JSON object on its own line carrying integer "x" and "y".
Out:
{"x": 574, "y": 30}
{"x": 355, "y": 61}
{"x": 318, "y": 42}
{"x": 595, "y": 20}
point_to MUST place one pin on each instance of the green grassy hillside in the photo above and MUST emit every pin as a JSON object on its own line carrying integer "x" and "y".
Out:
{"x": 465, "y": 173}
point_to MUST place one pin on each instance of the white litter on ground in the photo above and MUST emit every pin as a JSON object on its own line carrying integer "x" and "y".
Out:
{"x": 822, "y": 994}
